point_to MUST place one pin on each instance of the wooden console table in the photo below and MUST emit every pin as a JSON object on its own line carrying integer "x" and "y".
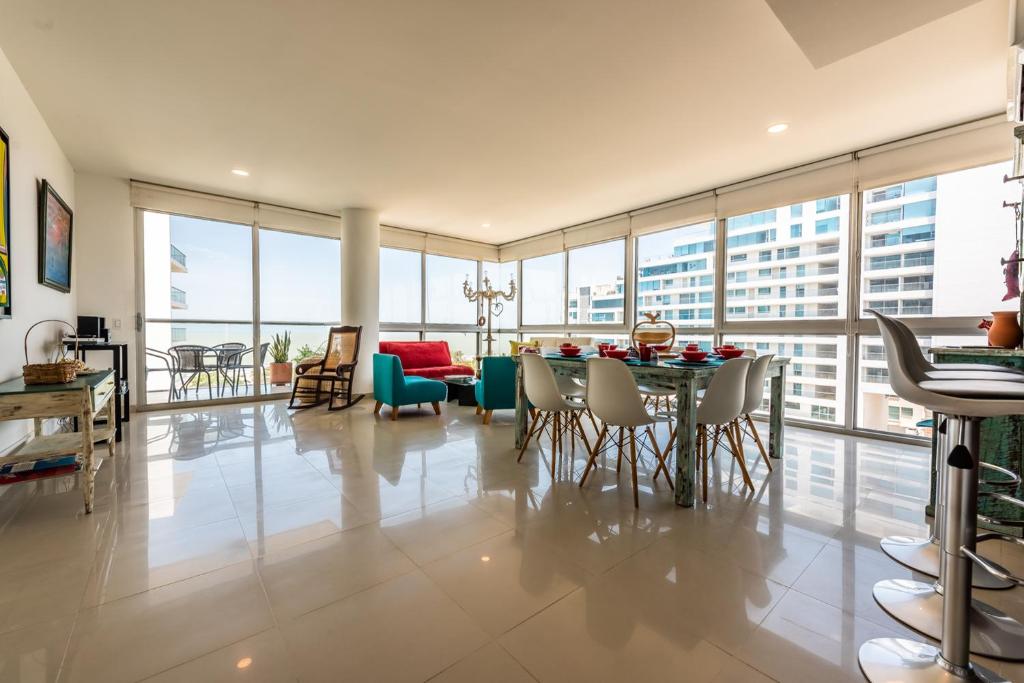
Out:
{"x": 83, "y": 399}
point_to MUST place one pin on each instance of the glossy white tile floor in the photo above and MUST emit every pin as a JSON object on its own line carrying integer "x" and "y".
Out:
{"x": 253, "y": 544}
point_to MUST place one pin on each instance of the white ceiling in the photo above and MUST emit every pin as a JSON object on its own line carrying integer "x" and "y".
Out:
{"x": 531, "y": 115}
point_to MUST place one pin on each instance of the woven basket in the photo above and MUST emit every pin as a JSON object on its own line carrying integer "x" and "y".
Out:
{"x": 61, "y": 372}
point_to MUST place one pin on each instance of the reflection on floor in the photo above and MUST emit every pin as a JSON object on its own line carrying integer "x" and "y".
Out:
{"x": 252, "y": 543}
{"x": 204, "y": 393}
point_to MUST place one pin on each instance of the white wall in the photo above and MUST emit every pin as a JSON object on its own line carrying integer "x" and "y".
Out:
{"x": 35, "y": 155}
{"x": 106, "y": 260}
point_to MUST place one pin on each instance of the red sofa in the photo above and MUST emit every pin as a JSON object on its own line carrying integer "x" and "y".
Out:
{"x": 431, "y": 359}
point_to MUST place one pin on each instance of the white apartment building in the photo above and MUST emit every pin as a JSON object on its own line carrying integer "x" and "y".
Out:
{"x": 789, "y": 263}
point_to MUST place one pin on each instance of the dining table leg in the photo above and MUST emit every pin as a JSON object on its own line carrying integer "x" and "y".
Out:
{"x": 521, "y": 407}
{"x": 776, "y": 412}
{"x": 686, "y": 442}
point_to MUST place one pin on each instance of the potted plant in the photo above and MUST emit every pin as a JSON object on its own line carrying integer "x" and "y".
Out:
{"x": 280, "y": 366}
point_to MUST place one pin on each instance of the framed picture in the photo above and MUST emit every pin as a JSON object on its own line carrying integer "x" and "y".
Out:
{"x": 5, "y": 225}
{"x": 55, "y": 224}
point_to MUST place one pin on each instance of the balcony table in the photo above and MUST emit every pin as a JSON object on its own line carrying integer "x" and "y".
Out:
{"x": 83, "y": 399}
{"x": 687, "y": 379}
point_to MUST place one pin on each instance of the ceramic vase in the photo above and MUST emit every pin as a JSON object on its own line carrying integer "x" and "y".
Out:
{"x": 1005, "y": 331}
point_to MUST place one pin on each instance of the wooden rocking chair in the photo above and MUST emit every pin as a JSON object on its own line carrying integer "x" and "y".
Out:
{"x": 322, "y": 380}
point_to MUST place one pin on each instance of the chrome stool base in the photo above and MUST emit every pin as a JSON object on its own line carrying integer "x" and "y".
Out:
{"x": 884, "y": 660}
{"x": 922, "y": 555}
{"x": 918, "y": 606}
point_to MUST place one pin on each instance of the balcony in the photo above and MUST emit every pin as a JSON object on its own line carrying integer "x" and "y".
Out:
{"x": 179, "y": 262}
{"x": 178, "y": 300}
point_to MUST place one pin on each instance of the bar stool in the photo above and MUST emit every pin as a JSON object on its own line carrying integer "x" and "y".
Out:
{"x": 923, "y": 554}
{"x": 965, "y": 626}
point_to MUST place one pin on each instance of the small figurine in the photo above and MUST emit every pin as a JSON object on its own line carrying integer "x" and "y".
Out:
{"x": 1012, "y": 276}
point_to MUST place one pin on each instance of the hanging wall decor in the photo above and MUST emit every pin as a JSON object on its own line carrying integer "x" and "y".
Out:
{"x": 55, "y": 223}
{"x": 5, "y": 225}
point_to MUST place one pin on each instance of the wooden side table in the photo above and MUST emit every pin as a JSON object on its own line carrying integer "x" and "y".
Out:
{"x": 83, "y": 399}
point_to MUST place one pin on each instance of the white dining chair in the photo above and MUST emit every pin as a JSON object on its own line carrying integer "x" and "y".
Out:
{"x": 723, "y": 401}
{"x": 553, "y": 411}
{"x": 744, "y": 426}
{"x": 614, "y": 398}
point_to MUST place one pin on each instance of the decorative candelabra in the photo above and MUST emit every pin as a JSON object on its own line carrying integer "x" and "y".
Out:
{"x": 491, "y": 299}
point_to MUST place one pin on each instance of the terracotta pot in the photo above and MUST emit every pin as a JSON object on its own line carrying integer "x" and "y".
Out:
{"x": 1005, "y": 331}
{"x": 281, "y": 373}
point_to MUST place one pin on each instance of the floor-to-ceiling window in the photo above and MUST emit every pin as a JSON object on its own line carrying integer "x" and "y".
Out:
{"x": 198, "y": 304}
{"x": 422, "y": 299}
{"x": 675, "y": 275}
{"x": 401, "y": 286}
{"x": 791, "y": 263}
{"x": 597, "y": 284}
{"x": 543, "y": 290}
{"x": 300, "y": 299}
{"x": 931, "y": 250}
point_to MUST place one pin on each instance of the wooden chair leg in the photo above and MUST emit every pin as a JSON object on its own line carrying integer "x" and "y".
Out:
{"x": 715, "y": 441}
{"x": 529, "y": 435}
{"x": 661, "y": 461}
{"x": 555, "y": 442}
{"x": 394, "y": 413}
{"x": 632, "y": 462}
{"x": 739, "y": 437}
{"x": 621, "y": 444}
{"x": 593, "y": 420}
{"x": 487, "y": 416}
{"x": 437, "y": 407}
{"x": 671, "y": 443}
{"x": 593, "y": 454}
{"x": 582, "y": 432}
{"x": 702, "y": 446}
{"x": 479, "y": 409}
{"x": 377, "y": 407}
{"x": 757, "y": 440}
{"x": 739, "y": 458}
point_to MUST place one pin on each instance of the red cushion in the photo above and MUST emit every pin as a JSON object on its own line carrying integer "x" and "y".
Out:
{"x": 440, "y": 371}
{"x": 415, "y": 355}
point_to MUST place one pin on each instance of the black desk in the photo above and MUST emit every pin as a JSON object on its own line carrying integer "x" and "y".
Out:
{"x": 122, "y": 397}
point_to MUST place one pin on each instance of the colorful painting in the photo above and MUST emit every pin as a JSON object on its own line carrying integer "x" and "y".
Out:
{"x": 5, "y": 225}
{"x": 55, "y": 223}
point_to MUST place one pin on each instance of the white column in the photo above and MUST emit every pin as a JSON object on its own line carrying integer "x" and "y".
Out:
{"x": 360, "y": 285}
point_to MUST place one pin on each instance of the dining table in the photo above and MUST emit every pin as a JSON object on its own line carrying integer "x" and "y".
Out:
{"x": 687, "y": 378}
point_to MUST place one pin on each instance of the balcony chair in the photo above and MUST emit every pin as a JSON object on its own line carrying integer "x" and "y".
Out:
{"x": 331, "y": 375}
{"x": 391, "y": 386}
{"x": 190, "y": 364}
{"x": 229, "y": 359}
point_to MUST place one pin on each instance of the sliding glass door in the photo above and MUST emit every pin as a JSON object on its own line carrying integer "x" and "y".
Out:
{"x": 197, "y": 323}
{"x": 215, "y": 319}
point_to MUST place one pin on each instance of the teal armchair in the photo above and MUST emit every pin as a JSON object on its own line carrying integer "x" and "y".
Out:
{"x": 496, "y": 389}
{"x": 392, "y": 387}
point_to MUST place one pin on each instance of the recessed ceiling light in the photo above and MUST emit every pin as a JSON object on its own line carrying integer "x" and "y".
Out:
{"x": 778, "y": 127}
{"x": 485, "y": 558}
{"x": 244, "y": 663}
{"x": 485, "y": 225}
{"x": 239, "y": 171}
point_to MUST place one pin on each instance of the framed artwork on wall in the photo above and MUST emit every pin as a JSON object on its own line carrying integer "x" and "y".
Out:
{"x": 5, "y": 225}
{"x": 55, "y": 224}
